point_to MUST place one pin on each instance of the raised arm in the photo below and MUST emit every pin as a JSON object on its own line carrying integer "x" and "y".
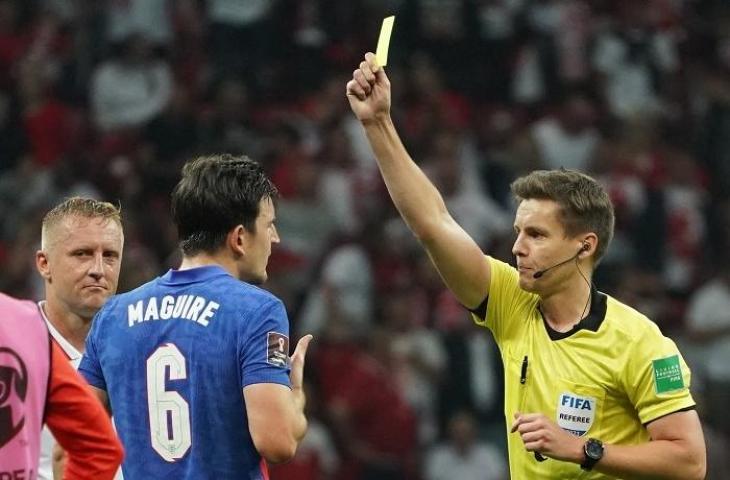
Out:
{"x": 455, "y": 254}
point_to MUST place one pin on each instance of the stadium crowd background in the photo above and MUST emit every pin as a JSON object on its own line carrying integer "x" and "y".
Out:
{"x": 109, "y": 98}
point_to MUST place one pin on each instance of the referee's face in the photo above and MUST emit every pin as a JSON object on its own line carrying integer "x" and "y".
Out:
{"x": 541, "y": 246}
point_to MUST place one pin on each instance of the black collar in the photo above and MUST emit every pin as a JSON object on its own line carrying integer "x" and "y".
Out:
{"x": 591, "y": 322}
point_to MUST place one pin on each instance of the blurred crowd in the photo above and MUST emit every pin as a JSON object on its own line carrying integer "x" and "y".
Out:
{"x": 109, "y": 98}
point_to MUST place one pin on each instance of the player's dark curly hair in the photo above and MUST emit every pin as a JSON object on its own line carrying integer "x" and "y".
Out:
{"x": 215, "y": 194}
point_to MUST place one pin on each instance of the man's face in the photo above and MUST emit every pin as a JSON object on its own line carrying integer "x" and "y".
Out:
{"x": 541, "y": 243}
{"x": 81, "y": 263}
{"x": 258, "y": 244}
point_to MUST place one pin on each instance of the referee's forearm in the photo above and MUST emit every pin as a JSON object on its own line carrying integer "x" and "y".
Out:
{"x": 661, "y": 459}
{"x": 414, "y": 195}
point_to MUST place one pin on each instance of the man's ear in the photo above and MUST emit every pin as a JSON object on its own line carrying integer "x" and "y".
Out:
{"x": 589, "y": 245}
{"x": 42, "y": 264}
{"x": 237, "y": 240}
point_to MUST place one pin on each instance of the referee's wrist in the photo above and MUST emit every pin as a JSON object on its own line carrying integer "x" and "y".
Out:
{"x": 578, "y": 454}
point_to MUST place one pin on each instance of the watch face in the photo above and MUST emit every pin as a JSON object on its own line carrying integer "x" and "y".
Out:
{"x": 594, "y": 449}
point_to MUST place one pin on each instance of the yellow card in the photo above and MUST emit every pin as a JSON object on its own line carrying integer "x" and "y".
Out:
{"x": 381, "y": 53}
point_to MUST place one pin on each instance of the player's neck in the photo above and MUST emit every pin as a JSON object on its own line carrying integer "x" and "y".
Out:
{"x": 72, "y": 327}
{"x": 208, "y": 260}
{"x": 566, "y": 307}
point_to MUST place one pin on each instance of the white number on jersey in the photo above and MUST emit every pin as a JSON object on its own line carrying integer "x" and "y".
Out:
{"x": 169, "y": 412}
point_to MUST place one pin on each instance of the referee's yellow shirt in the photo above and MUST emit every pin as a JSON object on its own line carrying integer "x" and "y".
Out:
{"x": 607, "y": 378}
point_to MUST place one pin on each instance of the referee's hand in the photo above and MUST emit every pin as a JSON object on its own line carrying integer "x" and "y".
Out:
{"x": 369, "y": 90}
{"x": 542, "y": 435}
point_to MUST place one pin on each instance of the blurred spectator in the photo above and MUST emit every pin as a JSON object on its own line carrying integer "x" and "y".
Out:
{"x": 685, "y": 199}
{"x": 343, "y": 184}
{"x": 496, "y": 24}
{"x": 708, "y": 326}
{"x": 445, "y": 29}
{"x": 473, "y": 380}
{"x": 14, "y": 141}
{"x": 131, "y": 89}
{"x": 463, "y": 456}
{"x": 567, "y": 139}
{"x": 552, "y": 50}
{"x": 635, "y": 60}
{"x": 419, "y": 358}
{"x": 370, "y": 416}
{"x": 504, "y": 149}
{"x": 304, "y": 219}
{"x": 620, "y": 164}
{"x": 227, "y": 126}
{"x": 431, "y": 105}
{"x": 713, "y": 94}
{"x": 50, "y": 125}
{"x": 147, "y": 18}
{"x": 342, "y": 295}
{"x": 456, "y": 176}
{"x": 645, "y": 291}
{"x": 241, "y": 40}
{"x": 15, "y": 38}
{"x": 168, "y": 141}
{"x": 316, "y": 457}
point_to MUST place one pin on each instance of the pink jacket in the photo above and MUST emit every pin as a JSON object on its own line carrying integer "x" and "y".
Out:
{"x": 38, "y": 384}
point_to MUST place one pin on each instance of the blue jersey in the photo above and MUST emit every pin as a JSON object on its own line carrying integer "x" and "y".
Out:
{"x": 173, "y": 356}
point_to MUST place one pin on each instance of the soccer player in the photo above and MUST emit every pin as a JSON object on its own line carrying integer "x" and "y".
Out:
{"x": 592, "y": 388}
{"x": 195, "y": 364}
{"x": 39, "y": 385}
{"x": 79, "y": 261}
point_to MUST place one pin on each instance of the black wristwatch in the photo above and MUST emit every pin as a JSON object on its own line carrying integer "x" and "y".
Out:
{"x": 593, "y": 451}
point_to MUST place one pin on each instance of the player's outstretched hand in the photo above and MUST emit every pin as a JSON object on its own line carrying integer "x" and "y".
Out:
{"x": 297, "y": 361}
{"x": 369, "y": 90}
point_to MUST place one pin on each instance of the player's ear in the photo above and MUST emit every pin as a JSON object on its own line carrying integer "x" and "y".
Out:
{"x": 42, "y": 264}
{"x": 237, "y": 240}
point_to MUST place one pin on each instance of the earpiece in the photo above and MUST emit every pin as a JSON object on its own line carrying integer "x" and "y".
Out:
{"x": 586, "y": 246}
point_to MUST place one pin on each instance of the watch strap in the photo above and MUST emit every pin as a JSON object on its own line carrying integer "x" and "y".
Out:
{"x": 589, "y": 461}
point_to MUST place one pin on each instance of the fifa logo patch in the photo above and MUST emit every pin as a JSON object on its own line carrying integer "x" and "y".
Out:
{"x": 667, "y": 375}
{"x": 277, "y": 351}
{"x": 575, "y": 413}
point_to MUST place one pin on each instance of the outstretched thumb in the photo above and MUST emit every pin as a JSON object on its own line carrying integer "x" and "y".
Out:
{"x": 302, "y": 345}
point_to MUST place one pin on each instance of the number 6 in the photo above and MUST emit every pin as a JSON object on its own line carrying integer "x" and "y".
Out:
{"x": 169, "y": 412}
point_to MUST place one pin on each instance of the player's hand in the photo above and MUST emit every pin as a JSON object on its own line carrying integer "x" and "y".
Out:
{"x": 297, "y": 361}
{"x": 369, "y": 90}
{"x": 540, "y": 434}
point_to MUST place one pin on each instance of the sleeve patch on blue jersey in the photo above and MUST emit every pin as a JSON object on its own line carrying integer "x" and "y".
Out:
{"x": 277, "y": 353}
